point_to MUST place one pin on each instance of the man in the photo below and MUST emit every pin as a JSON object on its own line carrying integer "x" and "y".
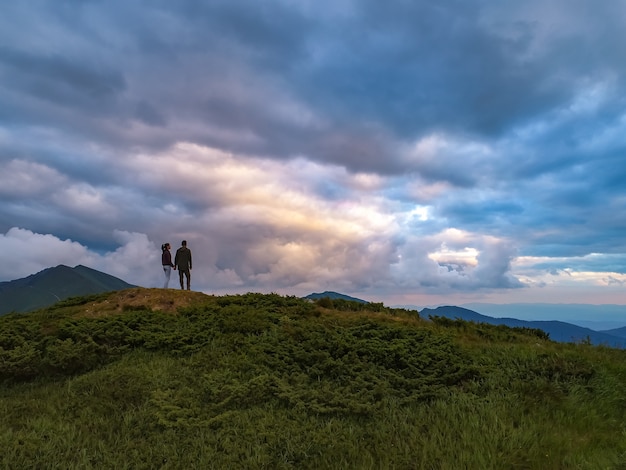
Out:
{"x": 182, "y": 261}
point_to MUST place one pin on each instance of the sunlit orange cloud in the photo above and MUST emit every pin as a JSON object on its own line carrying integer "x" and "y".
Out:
{"x": 278, "y": 193}
{"x": 466, "y": 256}
{"x": 293, "y": 234}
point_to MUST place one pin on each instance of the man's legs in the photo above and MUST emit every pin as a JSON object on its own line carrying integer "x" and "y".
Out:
{"x": 187, "y": 274}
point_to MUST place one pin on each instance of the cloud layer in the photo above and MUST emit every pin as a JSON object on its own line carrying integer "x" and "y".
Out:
{"x": 409, "y": 151}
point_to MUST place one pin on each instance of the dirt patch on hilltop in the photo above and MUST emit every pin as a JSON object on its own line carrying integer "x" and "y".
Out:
{"x": 166, "y": 300}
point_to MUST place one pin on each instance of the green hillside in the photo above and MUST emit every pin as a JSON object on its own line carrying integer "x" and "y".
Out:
{"x": 154, "y": 378}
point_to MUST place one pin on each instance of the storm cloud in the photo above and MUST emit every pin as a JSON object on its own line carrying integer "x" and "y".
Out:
{"x": 406, "y": 152}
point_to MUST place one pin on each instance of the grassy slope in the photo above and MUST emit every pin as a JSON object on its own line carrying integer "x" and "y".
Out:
{"x": 150, "y": 378}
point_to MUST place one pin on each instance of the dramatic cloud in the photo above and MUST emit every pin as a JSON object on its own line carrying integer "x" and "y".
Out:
{"x": 26, "y": 252}
{"x": 408, "y": 152}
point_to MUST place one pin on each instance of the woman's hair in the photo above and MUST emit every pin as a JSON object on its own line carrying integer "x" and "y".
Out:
{"x": 164, "y": 246}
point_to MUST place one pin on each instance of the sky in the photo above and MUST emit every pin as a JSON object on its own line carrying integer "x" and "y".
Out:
{"x": 406, "y": 152}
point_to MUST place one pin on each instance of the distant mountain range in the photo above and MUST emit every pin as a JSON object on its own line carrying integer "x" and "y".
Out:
{"x": 596, "y": 317}
{"x": 558, "y": 330}
{"x": 54, "y": 284}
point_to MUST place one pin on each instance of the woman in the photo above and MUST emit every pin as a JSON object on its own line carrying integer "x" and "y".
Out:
{"x": 166, "y": 261}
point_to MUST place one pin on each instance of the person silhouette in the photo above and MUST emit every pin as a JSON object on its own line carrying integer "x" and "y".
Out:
{"x": 182, "y": 261}
{"x": 166, "y": 261}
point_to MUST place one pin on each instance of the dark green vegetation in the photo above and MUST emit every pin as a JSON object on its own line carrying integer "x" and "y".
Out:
{"x": 53, "y": 284}
{"x": 265, "y": 381}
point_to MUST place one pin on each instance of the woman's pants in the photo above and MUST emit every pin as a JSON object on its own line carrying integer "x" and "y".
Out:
{"x": 167, "y": 270}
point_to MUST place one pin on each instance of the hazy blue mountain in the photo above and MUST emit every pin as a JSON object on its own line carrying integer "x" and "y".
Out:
{"x": 558, "y": 330}
{"x": 596, "y": 317}
{"x": 621, "y": 332}
{"x": 333, "y": 295}
{"x": 54, "y": 284}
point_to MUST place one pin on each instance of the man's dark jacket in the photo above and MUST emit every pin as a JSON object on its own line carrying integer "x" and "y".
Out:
{"x": 183, "y": 258}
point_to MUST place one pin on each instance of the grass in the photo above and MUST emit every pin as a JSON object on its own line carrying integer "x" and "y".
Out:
{"x": 150, "y": 378}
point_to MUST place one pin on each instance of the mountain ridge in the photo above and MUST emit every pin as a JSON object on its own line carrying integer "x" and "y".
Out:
{"x": 595, "y": 316}
{"x": 54, "y": 284}
{"x": 558, "y": 330}
{"x": 334, "y": 295}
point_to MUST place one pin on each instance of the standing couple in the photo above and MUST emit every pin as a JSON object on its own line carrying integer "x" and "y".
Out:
{"x": 182, "y": 261}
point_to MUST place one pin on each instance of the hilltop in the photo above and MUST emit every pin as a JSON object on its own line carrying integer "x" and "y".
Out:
{"x": 137, "y": 298}
{"x": 154, "y": 378}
